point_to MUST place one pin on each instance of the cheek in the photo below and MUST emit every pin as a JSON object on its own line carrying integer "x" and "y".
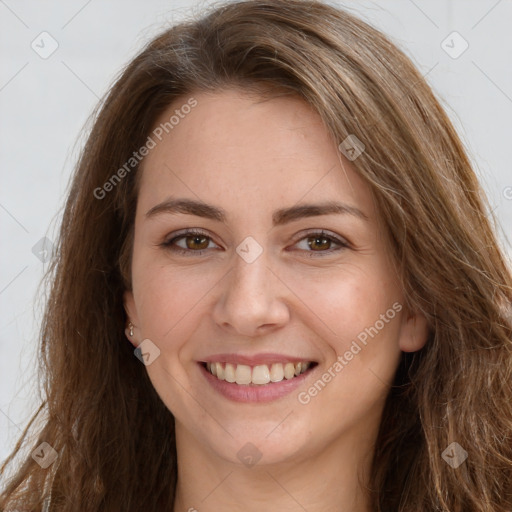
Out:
{"x": 169, "y": 299}
{"x": 361, "y": 328}
{"x": 357, "y": 315}
{"x": 169, "y": 303}
{"x": 347, "y": 300}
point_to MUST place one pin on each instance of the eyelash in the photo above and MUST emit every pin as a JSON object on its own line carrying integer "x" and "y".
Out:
{"x": 196, "y": 232}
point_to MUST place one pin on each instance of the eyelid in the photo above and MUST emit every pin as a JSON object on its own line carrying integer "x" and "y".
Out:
{"x": 338, "y": 240}
{"x": 342, "y": 242}
{"x": 321, "y": 232}
{"x": 187, "y": 231}
{"x": 183, "y": 233}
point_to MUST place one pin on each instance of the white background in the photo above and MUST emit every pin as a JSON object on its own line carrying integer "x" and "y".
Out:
{"x": 45, "y": 102}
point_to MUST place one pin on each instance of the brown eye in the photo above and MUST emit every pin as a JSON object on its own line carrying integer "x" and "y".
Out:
{"x": 192, "y": 243}
{"x": 196, "y": 241}
{"x": 319, "y": 243}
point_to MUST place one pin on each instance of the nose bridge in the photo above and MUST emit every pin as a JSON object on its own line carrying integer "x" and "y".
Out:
{"x": 250, "y": 298}
{"x": 249, "y": 276}
{"x": 249, "y": 283}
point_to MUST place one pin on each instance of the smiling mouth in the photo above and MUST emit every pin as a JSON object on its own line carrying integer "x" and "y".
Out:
{"x": 258, "y": 375}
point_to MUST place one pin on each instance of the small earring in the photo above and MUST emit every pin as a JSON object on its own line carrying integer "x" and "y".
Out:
{"x": 130, "y": 326}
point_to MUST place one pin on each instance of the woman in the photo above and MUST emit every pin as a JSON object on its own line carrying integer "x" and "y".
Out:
{"x": 276, "y": 286}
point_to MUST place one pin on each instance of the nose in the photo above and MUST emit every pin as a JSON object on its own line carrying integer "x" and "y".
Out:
{"x": 251, "y": 301}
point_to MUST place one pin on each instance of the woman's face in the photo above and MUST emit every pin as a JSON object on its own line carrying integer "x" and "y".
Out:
{"x": 272, "y": 278}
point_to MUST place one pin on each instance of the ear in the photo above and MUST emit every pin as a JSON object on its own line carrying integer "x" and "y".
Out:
{"x": 413, "y": 331}
{"x": 131, "y": 312}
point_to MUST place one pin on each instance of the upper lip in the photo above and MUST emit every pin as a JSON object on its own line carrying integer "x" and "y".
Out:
{"x": 256, "y": 359}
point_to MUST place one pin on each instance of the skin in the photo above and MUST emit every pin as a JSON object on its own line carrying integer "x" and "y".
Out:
{"x": 252, "y": 157}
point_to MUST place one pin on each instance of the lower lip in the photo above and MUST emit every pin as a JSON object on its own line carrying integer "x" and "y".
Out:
{"x": 253, "y": 393}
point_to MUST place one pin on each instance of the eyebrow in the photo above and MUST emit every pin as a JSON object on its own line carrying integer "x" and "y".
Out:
{"x": 279, "y": 218}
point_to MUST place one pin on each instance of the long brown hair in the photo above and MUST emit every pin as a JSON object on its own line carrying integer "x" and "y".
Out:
{"x": 113, "y": 435}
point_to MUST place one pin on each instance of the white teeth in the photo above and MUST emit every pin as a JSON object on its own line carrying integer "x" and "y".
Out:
{"x": 289, "y": 371}
{"x": 261, "y": 374}
{"x": 221, "y": 374}
{"x": 229, "y": 371}
{"x": 243, "y": 374}
{"x": 276, "y": 372}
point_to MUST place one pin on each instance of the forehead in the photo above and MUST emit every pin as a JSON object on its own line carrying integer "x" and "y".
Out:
{"x": 234, "y": 148}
